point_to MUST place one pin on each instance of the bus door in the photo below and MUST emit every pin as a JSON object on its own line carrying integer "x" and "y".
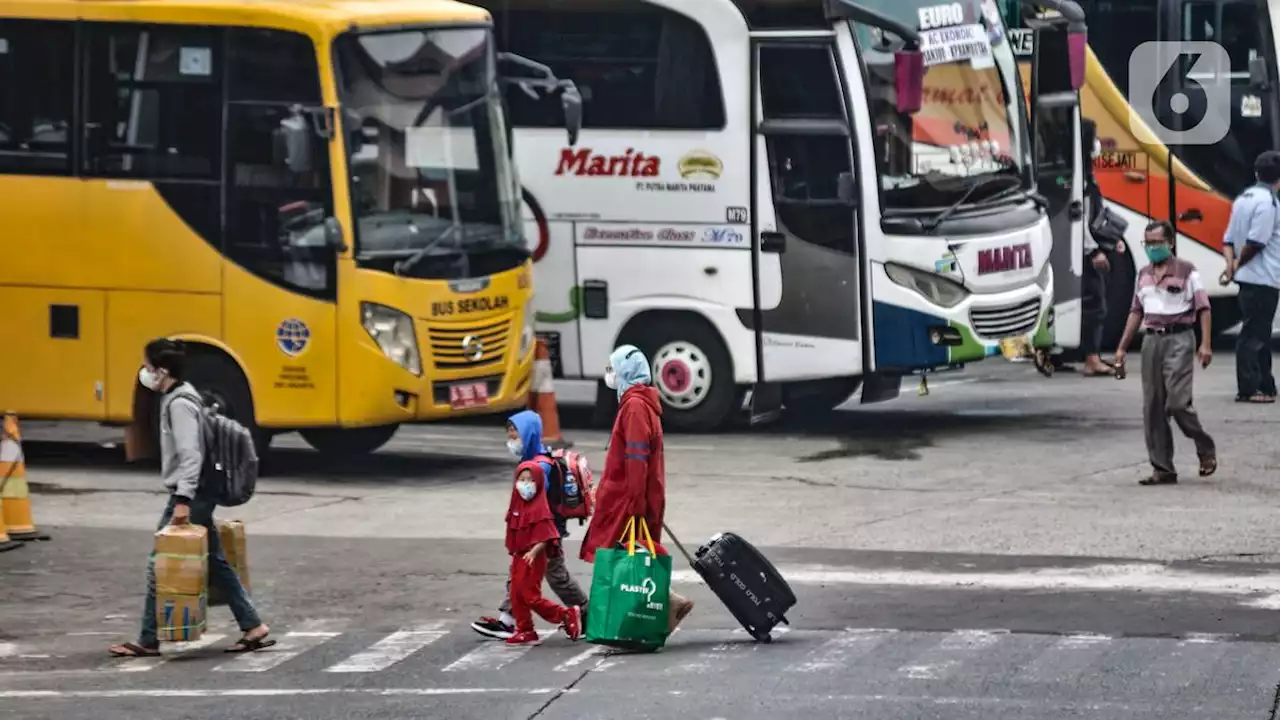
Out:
{"x": 1055, "y": 115}
{"x": 809, "y": 315}
{"x": 1235, "y": 90}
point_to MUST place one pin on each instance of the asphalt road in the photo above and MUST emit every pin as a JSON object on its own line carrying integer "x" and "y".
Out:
{"x": 982, "y": 552}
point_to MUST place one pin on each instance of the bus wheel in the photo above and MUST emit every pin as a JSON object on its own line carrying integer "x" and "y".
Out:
{"x": 692, "y": 373}
{"x": 224, "y": 388}
{"x": 349, "y": 441}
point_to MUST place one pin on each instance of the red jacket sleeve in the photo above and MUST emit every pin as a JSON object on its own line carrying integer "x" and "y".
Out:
{"x": 636, "y": 457}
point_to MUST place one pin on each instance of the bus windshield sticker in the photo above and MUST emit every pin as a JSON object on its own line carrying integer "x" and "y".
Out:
{"x": 1251, "y": 106}
{"x": 195, "y": 61}
{"x": 433, "y": 146}
{"x": 956, "y": 44}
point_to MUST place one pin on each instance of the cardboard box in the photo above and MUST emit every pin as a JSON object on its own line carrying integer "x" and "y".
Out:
{"x": 231, "y": 535}
{"x": 180, "y": 618}
{"x": 181, "y": 568}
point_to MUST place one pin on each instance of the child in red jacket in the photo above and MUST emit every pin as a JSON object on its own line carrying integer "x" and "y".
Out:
{"x": 531, "y": 538}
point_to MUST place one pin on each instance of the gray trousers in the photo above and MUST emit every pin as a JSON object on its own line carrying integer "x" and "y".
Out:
{"x": 1168, "y": 364}
{"x": 561, "y": 582}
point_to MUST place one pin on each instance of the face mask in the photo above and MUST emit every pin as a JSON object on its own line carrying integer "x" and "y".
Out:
{"x": 150, "y": 380}
{"x": 1159, "y": 253}
{"x": 611, "y": 379}
{"x": 516, "y": 448}
{"x": 527, "y": 490}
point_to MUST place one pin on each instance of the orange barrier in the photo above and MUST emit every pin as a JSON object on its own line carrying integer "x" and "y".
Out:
{"x": 542, "y": 398}
{"x": 15, "y": 500}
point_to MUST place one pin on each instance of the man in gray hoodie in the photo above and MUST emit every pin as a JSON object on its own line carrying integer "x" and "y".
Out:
{"x": 181, "y": 461}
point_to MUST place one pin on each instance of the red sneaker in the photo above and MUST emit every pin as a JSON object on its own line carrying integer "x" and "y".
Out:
{"x": 573, "y": 623}
{"x": 528, "y": 637}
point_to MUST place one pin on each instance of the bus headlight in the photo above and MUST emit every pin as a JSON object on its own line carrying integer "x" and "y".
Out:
{"x": 393, "y": 331}
{"x": 526, "y": 329}
{"x": 934, "y": 288}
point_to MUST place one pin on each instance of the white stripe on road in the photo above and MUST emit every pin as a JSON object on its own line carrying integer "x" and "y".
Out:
{"x": 261, "y": 692}
{"x": 170, "y": 650}
{"x": 948, "y": 654}
{"x": 840, "y": 650}
{"x": 1066, "y": 660}
{"x": 1261, "y": 590}
{"x": 493, "y": 655}
{"x": 391, "y": 649}
{"x": 289, "y": 647}
{"x": 573, "y": 662}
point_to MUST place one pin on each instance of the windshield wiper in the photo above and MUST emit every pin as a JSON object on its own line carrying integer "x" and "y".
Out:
{"x": 932, "y": 223}
{"x": 1041, "y": 201}
{"x": 403, "y": 266}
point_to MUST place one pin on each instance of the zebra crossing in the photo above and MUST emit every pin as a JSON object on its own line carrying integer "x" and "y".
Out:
{"x": 451, "y": 649}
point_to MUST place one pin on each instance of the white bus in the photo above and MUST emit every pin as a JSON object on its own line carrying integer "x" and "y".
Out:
{"x": 794, "y": 198}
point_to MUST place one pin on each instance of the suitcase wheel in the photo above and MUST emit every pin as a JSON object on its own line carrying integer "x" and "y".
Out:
{"x": 764, "y": 637}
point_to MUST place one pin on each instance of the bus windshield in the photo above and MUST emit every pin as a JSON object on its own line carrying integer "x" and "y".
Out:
{"x": 433, "y": 192}
{"x": 968, "y": 128}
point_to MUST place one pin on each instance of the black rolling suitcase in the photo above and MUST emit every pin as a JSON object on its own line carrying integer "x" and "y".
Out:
{"x": 744, "y": 580}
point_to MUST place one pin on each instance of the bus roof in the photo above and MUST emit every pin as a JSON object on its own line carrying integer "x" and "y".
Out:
{"x": 333, "y": 15}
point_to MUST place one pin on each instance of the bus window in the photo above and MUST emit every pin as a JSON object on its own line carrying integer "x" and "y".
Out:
{"x": 799, "y": 83}
{"x": 154, "y": 102}
{"x": 1116, "y": 27}
{"x": 36, "y": 94}
{"x": 275, "y": 217}
{"x": 636, "y": 64}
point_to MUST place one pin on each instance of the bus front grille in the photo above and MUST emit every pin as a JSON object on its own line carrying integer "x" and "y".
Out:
{"x": 1007, "y": 321}
{"x": 464, "y": 347}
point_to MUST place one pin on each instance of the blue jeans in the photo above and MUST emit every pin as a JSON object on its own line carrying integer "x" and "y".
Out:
{"x": 220, "y": 574}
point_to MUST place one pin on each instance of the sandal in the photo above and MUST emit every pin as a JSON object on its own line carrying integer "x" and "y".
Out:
{"x": 1257, "y": 398}
{"x": 1208, "y": 466}
{"x": 247, "y": 644}
{"x": 133, "y": 650}
{"x": 1159, "y": 480}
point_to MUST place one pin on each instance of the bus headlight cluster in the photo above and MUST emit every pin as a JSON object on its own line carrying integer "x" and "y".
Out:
{"x": 526, "y": 328}
{"x": 393, "y": 331}
{"x": 934, "y": 288}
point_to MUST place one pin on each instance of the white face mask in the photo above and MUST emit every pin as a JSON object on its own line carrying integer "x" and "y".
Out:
{"x": 527, "y": 489}
{"x": 150, "y": 380}
{"x": 611, "y": 379}
{"x": 516, "y": 448}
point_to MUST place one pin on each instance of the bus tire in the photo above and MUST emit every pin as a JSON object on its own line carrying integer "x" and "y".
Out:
{"x": 220, "y": 381}
{"x": 349, "y": 442}
{"x": 691, "y": 371}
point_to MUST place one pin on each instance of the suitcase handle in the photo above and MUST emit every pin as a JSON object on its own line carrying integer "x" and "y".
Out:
{"x": 679, "y": 544}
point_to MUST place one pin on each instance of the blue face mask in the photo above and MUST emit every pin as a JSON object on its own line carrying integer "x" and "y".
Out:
{"x": 1159, "y": 253}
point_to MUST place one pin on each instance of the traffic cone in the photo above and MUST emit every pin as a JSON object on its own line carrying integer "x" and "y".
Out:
{"x": 14, "y": 496}
{"x": 6, "y": 542}
{"x": 542, "y": 398}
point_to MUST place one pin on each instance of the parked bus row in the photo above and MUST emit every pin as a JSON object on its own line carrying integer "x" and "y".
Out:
{"x": 345, "y": 210}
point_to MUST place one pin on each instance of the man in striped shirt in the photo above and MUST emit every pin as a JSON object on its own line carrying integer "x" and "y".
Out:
{"x": 1169, "y": 300}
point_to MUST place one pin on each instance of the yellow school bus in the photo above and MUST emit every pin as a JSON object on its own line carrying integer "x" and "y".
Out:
{"x": 317, "y": 196}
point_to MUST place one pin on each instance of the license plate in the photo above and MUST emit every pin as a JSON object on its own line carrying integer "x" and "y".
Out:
{"x": 468, "y": 395}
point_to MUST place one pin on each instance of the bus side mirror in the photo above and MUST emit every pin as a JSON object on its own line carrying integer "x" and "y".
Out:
{"x": 333, "y": 234}
{"x": 1258, "y": 74}
{"x": 908, "y": 80}
{"x": 353, "y": 128}
{"x": 571, "y": 102}
{"x": 847, "y": 189}
{"x": 1076, "y": 44}
{"x": 293, "y": 144}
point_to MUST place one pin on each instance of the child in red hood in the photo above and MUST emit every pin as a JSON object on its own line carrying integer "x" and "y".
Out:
{"x": 531, "y": 538}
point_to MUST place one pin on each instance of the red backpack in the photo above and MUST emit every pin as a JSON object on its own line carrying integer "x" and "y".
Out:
{"x": 572, "y": 493}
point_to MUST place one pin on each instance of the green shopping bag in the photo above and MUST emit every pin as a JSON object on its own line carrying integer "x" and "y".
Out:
{"x": 630, "y": 594}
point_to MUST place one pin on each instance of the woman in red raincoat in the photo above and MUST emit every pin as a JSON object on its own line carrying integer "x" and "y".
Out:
{"x": 634, "y": 480}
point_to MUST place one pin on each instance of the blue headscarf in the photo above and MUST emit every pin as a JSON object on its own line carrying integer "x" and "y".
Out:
{"x": 631, "y": 368}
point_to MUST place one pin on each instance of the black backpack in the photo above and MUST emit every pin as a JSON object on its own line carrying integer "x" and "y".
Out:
{"x": 230, "y": 472}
